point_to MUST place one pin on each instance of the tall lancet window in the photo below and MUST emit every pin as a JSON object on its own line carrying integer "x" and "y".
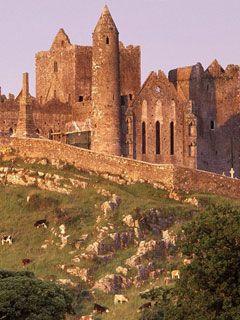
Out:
{"x": 158, "y": 137}
{"x": 172, "y": 138}
{"x": 55, "y": 66}
{"x": 143, "y": 138}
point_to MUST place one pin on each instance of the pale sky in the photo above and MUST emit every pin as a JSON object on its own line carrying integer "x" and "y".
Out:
{"x": 171, "y": 33}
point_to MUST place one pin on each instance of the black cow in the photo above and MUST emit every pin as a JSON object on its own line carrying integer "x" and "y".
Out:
{"x": 99, "y": 309}
{"x": 41, "y": 224}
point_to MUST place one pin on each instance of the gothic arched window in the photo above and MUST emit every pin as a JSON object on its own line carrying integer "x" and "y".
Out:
{"x": 143, "y": 138}
{"x": 171, "y": 138}
{"x": 157, "y": 137}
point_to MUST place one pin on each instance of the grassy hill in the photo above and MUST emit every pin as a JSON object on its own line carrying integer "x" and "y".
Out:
{"x": 81, "y": 213}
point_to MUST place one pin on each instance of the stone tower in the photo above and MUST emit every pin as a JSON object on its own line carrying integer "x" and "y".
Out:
{"x": 106, "y": 136}
{"x": 25, "y": 126}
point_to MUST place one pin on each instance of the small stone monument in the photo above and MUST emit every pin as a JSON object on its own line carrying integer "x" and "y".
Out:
{"x": 25, "y": 125}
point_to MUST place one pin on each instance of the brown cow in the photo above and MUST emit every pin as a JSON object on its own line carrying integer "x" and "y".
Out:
{"x": 26, "y": 262}
{"x": 175, "y": 274}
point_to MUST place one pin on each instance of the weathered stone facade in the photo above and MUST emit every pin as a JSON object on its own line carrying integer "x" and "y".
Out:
{"x": 214, "y": 93}
{"x": 92, "y": 96}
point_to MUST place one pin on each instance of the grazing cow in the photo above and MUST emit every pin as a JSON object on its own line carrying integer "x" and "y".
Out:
{"x": 7, "y": 239}
{"x": 99, "y": 309}
{"x": 41, "y": 224}
{"x": 119, "y": 298}
{"x": 25, "y": 262}
{"x": 187, "y": 261}
{"x": 144, "y": 306}
{"x": 90, "y": 317}
{"x": 175, "y": 274}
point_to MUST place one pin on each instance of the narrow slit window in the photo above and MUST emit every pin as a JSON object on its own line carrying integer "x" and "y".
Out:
{"x": 157, "y": 137}
{"x": 50, "y": 134}
{"x": 212, "y": 125}
{"x": 55, "y": 66}
{"x": 107, "y": 40}
{"x": 190, "y": 150}
{"x": 122, "y": 100}
{"x": 171, "y": 138}
{"x": 143, "y": 138}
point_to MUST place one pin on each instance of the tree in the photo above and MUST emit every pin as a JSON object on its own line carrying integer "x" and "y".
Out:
{"x": 23, "y": 297}
{"x": 209, "y": 287}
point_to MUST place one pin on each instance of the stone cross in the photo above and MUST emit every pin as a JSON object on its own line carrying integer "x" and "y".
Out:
{"x": 232, "y": 172}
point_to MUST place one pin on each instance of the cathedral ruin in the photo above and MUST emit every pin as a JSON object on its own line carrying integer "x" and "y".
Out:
{"x": 92, "y": 97}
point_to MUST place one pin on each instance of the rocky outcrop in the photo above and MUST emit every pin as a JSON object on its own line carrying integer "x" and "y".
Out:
{"x": 114, "y": 241}
{"x": 153, "y": 247}
{"x": 193, "y": 201}
{"x": 155, "y": 221}
{"x": 111, "y": 205}
{"x": 83, "y": 274}
{"x": 112, "y": 283}
{"x": 44, "y": 181}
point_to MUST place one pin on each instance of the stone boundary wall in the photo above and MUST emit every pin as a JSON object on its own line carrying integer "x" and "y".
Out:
{"x": 169, "y": 176}
{"x": 91, "y": 161}
{"x": 187, "y": 179}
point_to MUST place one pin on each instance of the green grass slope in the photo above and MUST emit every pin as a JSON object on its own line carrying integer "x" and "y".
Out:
{"x": 79, "y": 211}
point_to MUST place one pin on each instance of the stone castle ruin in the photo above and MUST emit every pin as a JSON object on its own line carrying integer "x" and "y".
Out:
{"x": 91, "y": 97}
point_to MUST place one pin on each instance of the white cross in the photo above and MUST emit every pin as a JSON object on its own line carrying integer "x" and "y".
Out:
{"x": 232, "y": 172}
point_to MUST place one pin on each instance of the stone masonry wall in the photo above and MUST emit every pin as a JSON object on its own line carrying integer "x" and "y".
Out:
{"x": 130, "y": 71}
{"x": 91, "y": 161}
{"x": 158, "y": 104}
{"x": 215, "y": 96}
{"x": 169, "y": 176}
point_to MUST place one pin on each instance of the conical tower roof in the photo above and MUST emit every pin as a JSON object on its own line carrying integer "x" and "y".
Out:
{"x": 105, "y": 22}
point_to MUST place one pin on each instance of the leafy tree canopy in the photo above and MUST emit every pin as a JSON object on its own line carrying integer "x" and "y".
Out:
{"x": 23, "y": 297}
{"x": 209, "y": 288}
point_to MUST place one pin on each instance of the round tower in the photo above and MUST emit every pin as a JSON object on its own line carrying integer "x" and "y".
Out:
{"x": 106, "y": 87}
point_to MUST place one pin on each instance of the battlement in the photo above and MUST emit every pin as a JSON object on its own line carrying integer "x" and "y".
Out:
{"x": 130, "y": 47}
{"x": 213, "y": 71}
